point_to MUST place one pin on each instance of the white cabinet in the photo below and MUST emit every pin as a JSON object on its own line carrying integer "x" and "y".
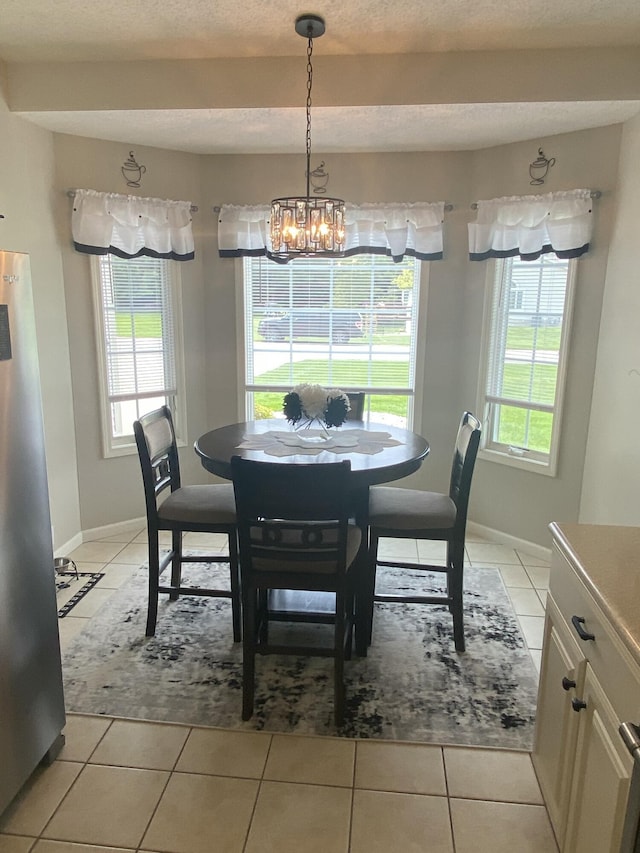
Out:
{"x": 562, "y": 677}
{"x": 589, "y": 685}
{"x": 601, "y": 776}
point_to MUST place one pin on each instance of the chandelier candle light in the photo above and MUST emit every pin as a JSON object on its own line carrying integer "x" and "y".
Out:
{"x": 302, "y": 225}
{"x": 307, "y": 404}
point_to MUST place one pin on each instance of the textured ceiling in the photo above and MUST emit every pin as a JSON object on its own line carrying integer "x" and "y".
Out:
{"x": 33, "y": 31}
{"x": 37, "y": 30}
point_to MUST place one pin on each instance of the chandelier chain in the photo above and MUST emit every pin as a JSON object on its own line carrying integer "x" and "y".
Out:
{"x": 306, "y": 226}
{"x": 309, "y": 84}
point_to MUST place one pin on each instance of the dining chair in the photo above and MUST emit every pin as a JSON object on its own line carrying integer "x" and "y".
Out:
{"x": 356, "y": 401}
{"x": 294, "y": 535}
{"x": 411, "y": 514}
{"x": 199, "y": 509}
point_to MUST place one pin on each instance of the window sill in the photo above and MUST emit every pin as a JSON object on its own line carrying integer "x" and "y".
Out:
{"x": 129, "y": 449}
{"x": 534, "y": 466}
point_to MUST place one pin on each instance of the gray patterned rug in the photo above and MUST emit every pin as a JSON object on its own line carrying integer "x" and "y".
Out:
{"x": 412, "y": 685}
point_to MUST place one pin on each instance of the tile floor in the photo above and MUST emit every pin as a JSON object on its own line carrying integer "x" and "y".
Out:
{"x": 128, "y": 785}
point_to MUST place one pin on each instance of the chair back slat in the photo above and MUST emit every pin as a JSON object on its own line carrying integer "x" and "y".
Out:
{"x": 292, "y": 515}
{"x": 158, "y": 453}
{"x": 464, "y": 460}
{"x": 356, "y": 401}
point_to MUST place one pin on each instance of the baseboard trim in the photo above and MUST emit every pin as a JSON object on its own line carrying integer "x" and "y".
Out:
{"x": 113, "y": 529}
{"x": 131, "y": 526}
{"x": 505, "y": 539}
{"x": 68, "y": 546}
{"x": 104, "y": 532}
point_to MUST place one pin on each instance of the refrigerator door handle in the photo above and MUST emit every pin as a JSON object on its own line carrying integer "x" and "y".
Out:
{"x": 630, "y": 733}
{"x": 631, "y": 736}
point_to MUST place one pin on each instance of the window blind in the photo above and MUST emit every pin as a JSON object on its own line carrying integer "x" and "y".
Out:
{"x": 349, "y": 323}
{"x": 139, "y": 335}
{"x": 526, "y": 319}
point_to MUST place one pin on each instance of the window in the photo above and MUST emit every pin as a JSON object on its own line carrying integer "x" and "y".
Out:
{"x": 137, "y": 311}
{"x": 526, "y": 335}
{"x": 515, "y": 298}
{"x": 349, "y": 323}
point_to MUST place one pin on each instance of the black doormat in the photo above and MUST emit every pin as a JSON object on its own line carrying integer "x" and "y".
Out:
{"x": 79, "y": 594}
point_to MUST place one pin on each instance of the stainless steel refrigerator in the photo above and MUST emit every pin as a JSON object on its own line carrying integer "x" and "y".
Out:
{"x": 31, "y": 696}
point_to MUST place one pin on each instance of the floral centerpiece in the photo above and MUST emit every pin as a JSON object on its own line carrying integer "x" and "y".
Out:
{"x": 327, "y": 406}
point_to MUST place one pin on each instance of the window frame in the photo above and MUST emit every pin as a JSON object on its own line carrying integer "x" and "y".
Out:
{"x": 528, "y": 460}
{"x": 115, "y": 446}
{"x": 415, "y": 401}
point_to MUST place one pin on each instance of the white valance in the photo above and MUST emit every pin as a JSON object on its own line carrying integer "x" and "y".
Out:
{"x": 532, "y": 225}
{"x": 129, "y": 226}
{"x": 387, "y": 229}
{"x": 243, "y": 230}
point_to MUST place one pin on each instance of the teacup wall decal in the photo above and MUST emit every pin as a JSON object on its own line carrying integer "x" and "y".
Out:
{"x": 539, "y": 168}
{"x": 132, "y": 171}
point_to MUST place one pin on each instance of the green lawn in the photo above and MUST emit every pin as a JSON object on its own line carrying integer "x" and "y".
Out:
{"x": 522, "y": 428}
{"x": 146, "y": 325}
{"x": 522, "y": 337}
{"x": 542, "y": 381}
{"x": 343, "y": 373}
{"x": 525, "y": 429}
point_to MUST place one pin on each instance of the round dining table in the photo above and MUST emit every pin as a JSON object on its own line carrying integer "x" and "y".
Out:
{"x": 381, "y": 453}
{"x": 379, "y": 465}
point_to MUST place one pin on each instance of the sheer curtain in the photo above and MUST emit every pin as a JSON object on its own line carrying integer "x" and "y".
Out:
{"x": 129, "y": 226}
{"x": 532, "y": 225}
{"x": 395, "y": 230}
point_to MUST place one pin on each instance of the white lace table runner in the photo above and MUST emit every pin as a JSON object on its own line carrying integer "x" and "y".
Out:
{"x": 310, "y": 442}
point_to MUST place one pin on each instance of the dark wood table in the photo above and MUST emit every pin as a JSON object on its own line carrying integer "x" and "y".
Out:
{"x": 215, "y": 449}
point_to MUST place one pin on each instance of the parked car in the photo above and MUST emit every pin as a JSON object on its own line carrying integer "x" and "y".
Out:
{"x": 337, "y": 324}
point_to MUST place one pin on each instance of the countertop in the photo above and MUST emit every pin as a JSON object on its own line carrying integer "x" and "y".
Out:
{"x": 607, "y": 559}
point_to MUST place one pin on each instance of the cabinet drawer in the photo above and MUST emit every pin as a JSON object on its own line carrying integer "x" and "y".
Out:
{"x": 616, "y": 670}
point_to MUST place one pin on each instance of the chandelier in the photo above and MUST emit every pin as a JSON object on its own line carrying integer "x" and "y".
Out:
{"x": 302, "y": 225}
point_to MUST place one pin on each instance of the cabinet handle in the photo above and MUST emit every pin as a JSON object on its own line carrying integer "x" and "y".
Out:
{"x": 567, "y": 683}
{"x": 578, "y": 622}
{"x": 578, "y": 704}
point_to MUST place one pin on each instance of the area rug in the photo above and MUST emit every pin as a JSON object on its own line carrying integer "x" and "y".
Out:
{"x": 412, "y": 686}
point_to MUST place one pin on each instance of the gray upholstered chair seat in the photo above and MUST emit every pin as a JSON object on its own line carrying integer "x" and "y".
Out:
{"x": 200, "y": 504}
{"x": 409, "y": 509}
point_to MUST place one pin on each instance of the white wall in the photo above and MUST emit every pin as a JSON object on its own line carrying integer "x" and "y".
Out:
{"x": 27, "y": 202}
{"x": 104, "y": 491}
{"x": 111, "y": 489}
{"x": 508, "y": 499}
{"x": 612, "y": 462}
